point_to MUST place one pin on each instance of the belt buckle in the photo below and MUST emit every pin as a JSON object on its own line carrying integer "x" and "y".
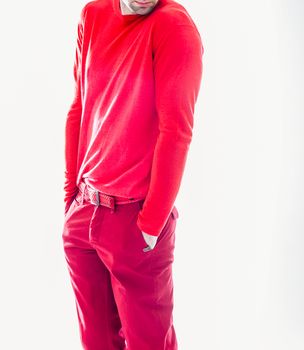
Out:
{"x": 97, "y": 197}
{"x": 111, "y": 200}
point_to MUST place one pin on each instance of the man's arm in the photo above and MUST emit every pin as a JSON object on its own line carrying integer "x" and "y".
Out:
{"x": 178, "y": 71}
{"x": 72, "y": 125}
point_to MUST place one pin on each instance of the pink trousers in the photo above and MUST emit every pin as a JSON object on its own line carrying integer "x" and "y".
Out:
{"x": 123, "y": 295}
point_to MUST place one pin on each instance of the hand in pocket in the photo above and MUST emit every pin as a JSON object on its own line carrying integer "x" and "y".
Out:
{"x": 150, "y": 240}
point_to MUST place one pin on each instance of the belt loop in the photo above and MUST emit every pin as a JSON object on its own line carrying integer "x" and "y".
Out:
{"x": 114, "y": 205}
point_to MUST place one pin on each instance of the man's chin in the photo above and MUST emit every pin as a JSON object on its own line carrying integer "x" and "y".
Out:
{"x": 142, "y": 10}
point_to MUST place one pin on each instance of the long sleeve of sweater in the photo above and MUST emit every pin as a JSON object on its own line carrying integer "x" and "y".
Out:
{"x": 73, "y": 120}
{"x": 178, "y": 72}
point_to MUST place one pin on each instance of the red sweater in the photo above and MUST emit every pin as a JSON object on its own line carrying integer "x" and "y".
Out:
{"x": 128, "y": 129}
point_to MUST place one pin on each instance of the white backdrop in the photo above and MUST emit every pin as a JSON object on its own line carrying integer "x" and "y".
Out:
{"x": 238, "y": 270}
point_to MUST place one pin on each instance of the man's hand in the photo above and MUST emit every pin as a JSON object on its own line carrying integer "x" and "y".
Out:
{"x": 150, "y": 240}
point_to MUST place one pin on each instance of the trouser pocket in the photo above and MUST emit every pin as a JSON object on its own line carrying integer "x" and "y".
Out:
{"x": 166, "y": 233}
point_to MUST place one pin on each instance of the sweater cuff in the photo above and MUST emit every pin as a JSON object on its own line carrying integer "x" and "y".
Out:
{"x": 70, "y": 187}
{"x": 151, "y": 227}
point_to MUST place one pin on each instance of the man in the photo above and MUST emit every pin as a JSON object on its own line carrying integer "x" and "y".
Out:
{"x": 137, "y": 70}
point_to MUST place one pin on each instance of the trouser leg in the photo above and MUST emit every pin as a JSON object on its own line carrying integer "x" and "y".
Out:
{"x": 99, "y": 321}
{"x": 142, "y": 282}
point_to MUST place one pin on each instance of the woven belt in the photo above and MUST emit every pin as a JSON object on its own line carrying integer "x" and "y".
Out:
{"x": 98, "y": 198}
